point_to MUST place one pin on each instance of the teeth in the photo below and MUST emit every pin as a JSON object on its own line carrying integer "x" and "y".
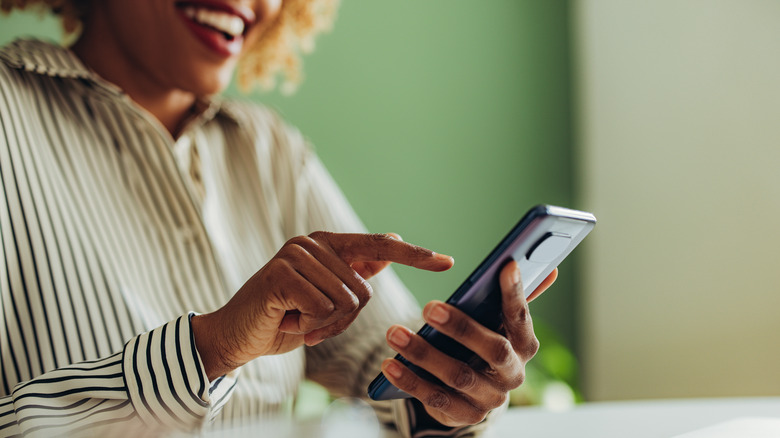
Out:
{"x": 222, "y": 21}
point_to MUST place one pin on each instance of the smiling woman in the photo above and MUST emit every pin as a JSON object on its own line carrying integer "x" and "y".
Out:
{"x": 289, "y": 29}
{"x": 134, "y": 196}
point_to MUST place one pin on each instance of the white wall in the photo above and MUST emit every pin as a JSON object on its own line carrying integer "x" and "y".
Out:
{"x": 679, "y": 140}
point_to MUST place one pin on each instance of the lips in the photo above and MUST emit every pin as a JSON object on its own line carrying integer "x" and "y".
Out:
{"x": 218, "y": 25}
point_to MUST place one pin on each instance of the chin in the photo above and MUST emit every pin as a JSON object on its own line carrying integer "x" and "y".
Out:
{"x": 210, "y": 89}
{"x": 207, "y": 83}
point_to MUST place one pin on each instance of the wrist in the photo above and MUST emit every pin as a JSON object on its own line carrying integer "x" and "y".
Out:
{"x": 206, "y": 330}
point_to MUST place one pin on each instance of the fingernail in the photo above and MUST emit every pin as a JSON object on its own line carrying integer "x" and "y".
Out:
{"x": 444, "y": 257}
{"x": 393, "y": 369}
{"x": 439, "y": 314}
{"x": 517, "y": 277}
{"x": 400, "y": 337}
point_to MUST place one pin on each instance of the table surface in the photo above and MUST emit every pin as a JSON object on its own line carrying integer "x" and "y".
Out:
{"x": 635, "y": 419}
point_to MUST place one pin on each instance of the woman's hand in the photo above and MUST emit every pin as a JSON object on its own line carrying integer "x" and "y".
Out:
{"x": 468, "y": 394}
{"x": 312, "y": 289}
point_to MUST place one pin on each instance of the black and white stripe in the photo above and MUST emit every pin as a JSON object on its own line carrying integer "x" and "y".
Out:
{"x": 107, "y": 244}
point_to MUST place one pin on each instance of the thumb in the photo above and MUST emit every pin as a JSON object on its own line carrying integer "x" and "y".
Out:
{"x": 512, "y": 296}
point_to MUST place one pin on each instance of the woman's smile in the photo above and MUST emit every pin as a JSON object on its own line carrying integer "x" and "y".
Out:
{"x": 219, "y": 26}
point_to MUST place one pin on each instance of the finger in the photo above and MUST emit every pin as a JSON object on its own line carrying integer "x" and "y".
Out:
{"x": 356, "y": 284}
{"x": 350, "y": 292}
{"x": 306, "y": 306}
{"x": 446, "y": 401}
{"x": 338, "y": 327}
{"x": 302, "y": 246}
{"x": 455, "y": 374}
{"x": 369, "y": 269}
{"x": 513, "y": 303}
{"x": 496, "y": 350}
{"x": 544, "y": 285}
{"x": 512, "y": 296}
{"x": 323, "y": 267}
{"x": 516, "y": 314}
{"x": 341, "y": 325}
{"x": 383, "y": 247}
{"x": 326, "y": 271}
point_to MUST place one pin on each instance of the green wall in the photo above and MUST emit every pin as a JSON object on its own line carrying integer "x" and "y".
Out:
{"x": 442, "y": 121}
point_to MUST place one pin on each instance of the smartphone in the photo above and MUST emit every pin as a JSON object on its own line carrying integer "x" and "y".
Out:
{"x": 539, "y": 242}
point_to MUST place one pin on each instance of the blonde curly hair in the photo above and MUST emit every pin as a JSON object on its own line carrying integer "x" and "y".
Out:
{"x": 277, "y": 55}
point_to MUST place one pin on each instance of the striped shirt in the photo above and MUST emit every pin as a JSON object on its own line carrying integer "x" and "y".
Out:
{"x": 114, "y": 233}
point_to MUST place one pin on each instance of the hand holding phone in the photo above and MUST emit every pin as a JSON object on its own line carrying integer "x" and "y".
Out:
{"x": 466, "y": 340}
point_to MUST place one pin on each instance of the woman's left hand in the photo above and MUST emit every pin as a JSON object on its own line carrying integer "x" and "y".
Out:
{"x": 468, "y": 394}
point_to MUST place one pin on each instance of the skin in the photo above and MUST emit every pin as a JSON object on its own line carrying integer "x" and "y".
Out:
{"x": 468, "y": 394}
{"x": 311, "y": 290}
{"x": 144, "y": 47}
{"x": 315, "y": 286}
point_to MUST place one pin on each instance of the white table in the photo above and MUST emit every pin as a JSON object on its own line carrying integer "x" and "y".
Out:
{"x": 628, "y": 419}
{"x": 631, "y": 419}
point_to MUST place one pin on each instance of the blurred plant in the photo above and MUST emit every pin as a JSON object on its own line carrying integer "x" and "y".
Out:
{"x": 551, "y": 376}
{"x": 311, "y": 401}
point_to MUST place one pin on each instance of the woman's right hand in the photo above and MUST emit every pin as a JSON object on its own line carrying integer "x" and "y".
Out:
{"x": 311, "y": 290}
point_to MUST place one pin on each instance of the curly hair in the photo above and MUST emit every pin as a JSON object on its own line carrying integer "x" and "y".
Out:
{"x": 277, "y": 55}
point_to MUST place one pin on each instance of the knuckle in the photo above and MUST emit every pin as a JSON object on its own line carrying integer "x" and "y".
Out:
{"x": 517, "y": 379}
{"x": 409, "y": 383}
{"x": 320, "y": 235}
{"x": 277, "y": 270}
{"x": 417, "y": 350}
{"x": 501, "y": 400}
{"x": 296, "y": 248}
{"x": 476, "y": 416}
{"x": 336, "y": 330}
{"x": 461, "y": 327}
{"x": 296, "y": 252}
{"x": 464, "y": 378}
{"x": 529, "y": 348}
{"x": 523, "y": 314}
{"x": 379, "y": 237}
{"x": 368, "y": 292}
{"x": 438, "y": 400}
{"x": 351, "y": 303}
{"x": 502, "y": 351}
{"x": 512, "y": 380}
{"x": 363, "y": 290}
{"x": 298, "y": 241}
{"x": 325, "y": 307}
{"x": 421, "y": 252}
{"x": 418, "y": 255}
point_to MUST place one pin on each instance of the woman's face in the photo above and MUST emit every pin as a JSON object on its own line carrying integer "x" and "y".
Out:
{"x": 190, "y": 45}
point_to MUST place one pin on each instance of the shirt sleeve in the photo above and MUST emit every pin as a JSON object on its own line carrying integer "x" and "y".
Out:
{"x": 346, "y": 364}
{"x": 156, "y": 383}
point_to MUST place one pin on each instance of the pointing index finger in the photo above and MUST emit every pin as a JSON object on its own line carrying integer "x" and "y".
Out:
{"x": 383, "y": 247}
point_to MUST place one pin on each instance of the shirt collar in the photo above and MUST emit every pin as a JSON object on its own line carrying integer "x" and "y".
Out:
{"x": 45, "y": 58}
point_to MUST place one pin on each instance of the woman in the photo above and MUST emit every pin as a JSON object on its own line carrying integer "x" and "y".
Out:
{"x": 133, "y": 196}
